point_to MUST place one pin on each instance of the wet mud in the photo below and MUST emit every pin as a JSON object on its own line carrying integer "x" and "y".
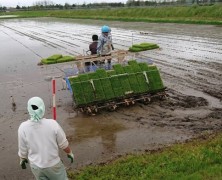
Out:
{"x": 190, "y": 64}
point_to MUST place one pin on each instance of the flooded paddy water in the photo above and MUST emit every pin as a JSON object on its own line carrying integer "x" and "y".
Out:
{"x": 190, "y": 62}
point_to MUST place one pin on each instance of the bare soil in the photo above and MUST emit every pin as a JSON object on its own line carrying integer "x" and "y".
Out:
{"x": 189, "y": 61}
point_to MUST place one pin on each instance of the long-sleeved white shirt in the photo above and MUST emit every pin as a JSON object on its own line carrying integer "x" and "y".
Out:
{"x": 104, "y": 46}
{"x": 40, "y": 142}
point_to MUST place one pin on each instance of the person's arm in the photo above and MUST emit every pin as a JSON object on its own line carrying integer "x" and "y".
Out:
{"x": 112, "y": 46}
{"x": 67, "y": 150}
{"x": 63, "y": 143}
{"x": 23, "y": 151}
{"x": 111, "y": 40}
{"x": 69, "y": 153}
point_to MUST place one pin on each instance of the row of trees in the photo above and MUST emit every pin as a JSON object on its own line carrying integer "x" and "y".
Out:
{"x": 48, "y": 4}
{"x": 2, "y": 8}
{"x": 156, "y": 2}
{"x": 51, "y": 5}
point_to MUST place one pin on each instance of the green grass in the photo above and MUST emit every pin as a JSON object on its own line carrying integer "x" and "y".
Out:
{"x": 172, "y": 14}
{"x": 199, "y": 159}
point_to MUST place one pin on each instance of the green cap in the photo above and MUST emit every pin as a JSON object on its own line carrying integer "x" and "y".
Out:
{"x": 36, "y": 108}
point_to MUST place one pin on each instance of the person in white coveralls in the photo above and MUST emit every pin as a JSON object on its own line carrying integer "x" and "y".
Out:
{"x": 39, "y": 141}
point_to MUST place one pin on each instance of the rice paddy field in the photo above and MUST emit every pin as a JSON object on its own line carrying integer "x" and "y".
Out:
{"x": 189, "y": 62}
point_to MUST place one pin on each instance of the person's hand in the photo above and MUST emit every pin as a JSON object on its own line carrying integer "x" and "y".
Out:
{"x": 22, "y": 163}
{"x": 71, "y": 156}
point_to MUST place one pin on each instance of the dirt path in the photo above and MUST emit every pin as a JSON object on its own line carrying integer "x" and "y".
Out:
{"x": 191, "y": 67}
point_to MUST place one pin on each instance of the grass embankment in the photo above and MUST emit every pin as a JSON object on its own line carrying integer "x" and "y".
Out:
{"x": 174, "y": 14}
{"x": 199, "y": 159}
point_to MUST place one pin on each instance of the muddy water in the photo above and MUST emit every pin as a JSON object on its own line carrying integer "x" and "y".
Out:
{"x": 191, "y": 67}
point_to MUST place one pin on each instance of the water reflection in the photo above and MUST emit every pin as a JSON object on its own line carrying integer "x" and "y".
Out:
{"x": 102, "y": 127}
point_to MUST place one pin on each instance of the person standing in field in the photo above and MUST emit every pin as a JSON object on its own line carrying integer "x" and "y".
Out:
{"x": 93, "y": 45}
{"x": 105, "y": 45}
{"x": 93, "y": 51}
{"x": 39, "y": 140}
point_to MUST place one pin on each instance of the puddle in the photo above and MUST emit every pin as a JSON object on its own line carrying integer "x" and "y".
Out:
{"x": 102, "y": 137}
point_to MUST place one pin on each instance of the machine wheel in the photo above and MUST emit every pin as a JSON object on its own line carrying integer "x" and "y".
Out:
{"x": 146, "y": 100}
{"x": 88, "y": 110}
{"x": 80, "y": 110}
{"x": 111, "y": 107}
{"x": 132, "y": 101}
{"x": 163, "y": 97}
{"x": 127, "y": 102}
{"x": 94, "y": 110}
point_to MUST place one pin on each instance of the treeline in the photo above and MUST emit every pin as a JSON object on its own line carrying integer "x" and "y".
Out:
{"x": 3, "y": 8}
{"x": 170, "y": 2}
{"x": 50, "y": 5}
{"x": 41, "y": 5}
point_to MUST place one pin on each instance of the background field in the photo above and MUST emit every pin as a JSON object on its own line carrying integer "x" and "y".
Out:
{"x": 179, "y": 14}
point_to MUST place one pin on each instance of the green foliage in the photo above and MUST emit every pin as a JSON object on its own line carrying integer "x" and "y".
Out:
{"x": 77, "y": 90}
{"x": 54, "y": 57}
{"x": 172, "y": 14}
{"x": 143, "y": 47}
{"x": 194, "y": 160}
{"x": 132, "y": 62}
{"x": 74, "y": 79}
{"x": 65, "y": 59}
{"x": 123, "y": 81}
{"x": 57, "y": 58}
{"x": 144, "y": 66}
{"x": 155, "y": 81}
{"x": 46, "y": 61}
{"x": 107, "y": 88}
{"x": 118, "y": 68}
{"x": 101, "y": 73}
{"x": 135, "y": 66}
{"x": 144, "y": 86}
{"x": 111, "y": 73}
{"x": 116, "y": 85}
{"x": 123, "y": 78}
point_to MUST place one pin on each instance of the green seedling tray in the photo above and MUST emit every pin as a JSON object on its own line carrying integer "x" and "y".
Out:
{"x": 124, "y": 81}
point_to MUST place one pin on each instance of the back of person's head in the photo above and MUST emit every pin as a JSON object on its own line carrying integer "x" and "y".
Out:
{"x": 36, "y": 108}
{"x": 105, "y": 29}
{"x": 94, "y": 37}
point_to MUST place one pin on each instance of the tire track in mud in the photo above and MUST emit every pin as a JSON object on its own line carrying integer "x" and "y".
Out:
{"x": 178, "y": 111}
{"x": 45, "y": 39}
{"x": 187, "y": 69}
{"x": 51, "y": 39}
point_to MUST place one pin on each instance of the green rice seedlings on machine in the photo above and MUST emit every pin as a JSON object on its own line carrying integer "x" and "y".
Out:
{"x": 143, "y": 47}
{"x": 57, "y": 58}
{"x": 99, "y": 89}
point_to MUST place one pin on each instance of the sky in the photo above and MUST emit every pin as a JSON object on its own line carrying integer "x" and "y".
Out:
{"x": 14, "y": 3}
